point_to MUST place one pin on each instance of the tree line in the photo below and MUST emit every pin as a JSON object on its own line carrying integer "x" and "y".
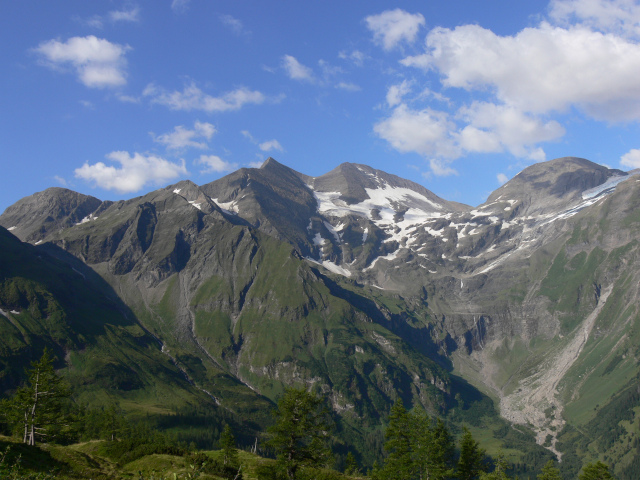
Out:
{"x": 417, "y": 446}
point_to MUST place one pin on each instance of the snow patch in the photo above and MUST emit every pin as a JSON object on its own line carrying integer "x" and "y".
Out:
{"x": 332, "y": 267}
{"x": 86, "y": 219}
{"x": 177, "y": 191}
{"x": 318, "y": 241}
{"x": 388, "y": 257}
{"x": 333, "y": 231}
{"x": 12, "y": 228}
{"x": 230, "y": 208}
{"x": 365, "y": 234}
{"x": 607, "y": 187}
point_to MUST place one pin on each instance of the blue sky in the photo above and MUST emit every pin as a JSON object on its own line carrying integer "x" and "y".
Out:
{"x": 118, "y": 98}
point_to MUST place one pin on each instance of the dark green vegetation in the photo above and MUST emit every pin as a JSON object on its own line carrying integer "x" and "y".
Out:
{"x": 417, "y": 447}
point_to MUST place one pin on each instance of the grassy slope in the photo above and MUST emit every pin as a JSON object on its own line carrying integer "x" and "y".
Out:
{"x": 83, "y": 460}
{"x": 107, "y": 354}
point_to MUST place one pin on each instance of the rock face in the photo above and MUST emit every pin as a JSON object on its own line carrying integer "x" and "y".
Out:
{"x": 43, "y": 213}
{"x": 367, "y": 286}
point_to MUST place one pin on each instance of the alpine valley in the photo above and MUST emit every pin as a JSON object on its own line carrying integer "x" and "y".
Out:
{"x": 518, "y": 318}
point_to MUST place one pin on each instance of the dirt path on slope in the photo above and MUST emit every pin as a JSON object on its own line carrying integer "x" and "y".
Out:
{"x": 535, "y": 401}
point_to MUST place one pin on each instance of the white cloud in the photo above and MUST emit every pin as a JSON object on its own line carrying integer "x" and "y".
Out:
{"x": 247, "y": 134}
{"x": 494, "y": 128}
{"x": 235, "y": 25}
{"x": 94, "y": 21}
{"x": 135, "y": 171}
{"x": 502, "y": 178}
{"x": 612, "y": 16}
{"x": 295, "y": 70}
{"x": 356, "y": 57}
{"x": 631, "y": 159}
{"x": 255, "y": 164}
{"x": 270, "y": 145}
{"x": 192, "y": 98}
{"x": 182, "y": 137}
{"x": 127, "y": 98}
{"x": 396, "y": 92}
{"x": 349, "y": 87}
{"x": 480, "y": 128}
{"x": 540, "y": 69}
{"x": 213, "y": 163}
{"x": 60, "y": 180}
{"x": 98, "y": 62}
{"x": 132, "y": 15}
{"x": 426, "y": 132}
{"x": 392, "y": 27}
{"x": 180, "y": 6}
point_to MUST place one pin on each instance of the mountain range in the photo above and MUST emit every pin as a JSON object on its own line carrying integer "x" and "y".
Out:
{"x": 361, "y": 285}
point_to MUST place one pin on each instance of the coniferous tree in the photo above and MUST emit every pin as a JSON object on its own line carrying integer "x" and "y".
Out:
{"x": 549, "y": 472}
{"x": 417, "y": 448}
{"x": 499, "y": 472}
{"x": 470, "y": 463}
{"x": 351, "y": 465}
{"x": 596, "y": 471}
{"x": 228, "y": 445}
{"x": 300, "y": 433}
{"x": 399, "y": 439}
{"x": 36, "y": 407}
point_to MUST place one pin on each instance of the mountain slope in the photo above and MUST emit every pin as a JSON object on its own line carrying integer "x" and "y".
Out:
{"x": 70, "y": 310}
{"x": 367, "y": 287}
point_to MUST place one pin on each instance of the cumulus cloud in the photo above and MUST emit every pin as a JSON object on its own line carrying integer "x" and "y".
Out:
{"x": 613, "y": 16}
{"x": 481, "y": 127}
{"x": 392, "y": 27}
{"x": 135, "y": 171}
{"x": 97, "y": 62}
{"x": 181, "y": 137}
{"x": 631, "y": 159}
{"x": 214, "y": 164}
{"x": 192, "y": 98}
{"x": 295, "y": 70}
{"x": 426, "y": 132}
{"x": 502, "y": 178}
{"x": 540, "y": 69}
{"x": 271, "y": 145}
{"x": 494, "y": 128}
{"x": 584, "y": 57}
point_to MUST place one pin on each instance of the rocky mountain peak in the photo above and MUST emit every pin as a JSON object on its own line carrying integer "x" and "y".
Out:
{"x": 33, "y": 217}
{"x": 550, "y": 186}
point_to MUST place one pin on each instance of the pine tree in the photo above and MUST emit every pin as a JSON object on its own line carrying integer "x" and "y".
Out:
{"x": 499, "y": 472}
{"x": 400, "y": 434}
{"x": 36, "y": 406}
{"x": 300, "y": 433}
{"x": 228, "y": 445}
{"x": 550, "y": 472}
{"x": 596, "y": 471}
{"x": 470, "y": 464}
{"x": 417, "y": 448}
{"x": 351, "y": 465}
